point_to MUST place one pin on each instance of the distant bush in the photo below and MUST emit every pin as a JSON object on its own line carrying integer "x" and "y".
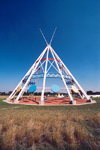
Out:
{"x": 93, "y": 93}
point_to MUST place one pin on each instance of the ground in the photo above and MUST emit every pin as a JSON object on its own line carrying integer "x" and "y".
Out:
{"x": 49, "y": 128}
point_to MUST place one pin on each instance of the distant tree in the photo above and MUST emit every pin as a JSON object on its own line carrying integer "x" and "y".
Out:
{"x": 97, "y": 93}
{"x": 26, "y": 93}
{"x": 3, "y": 93}
{"x": 9, "y": 92}
{"x": 93, "y": 93}
{"x": 89, "y": 92}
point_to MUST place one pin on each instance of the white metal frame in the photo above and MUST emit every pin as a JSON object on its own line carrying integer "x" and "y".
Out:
{"x": 38, "y": 64}
{"x": 52, "y": 66}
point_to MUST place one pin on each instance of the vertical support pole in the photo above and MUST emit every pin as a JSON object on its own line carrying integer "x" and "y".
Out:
{"x": 44, "y": 80}
{"x": 70, "y": 96}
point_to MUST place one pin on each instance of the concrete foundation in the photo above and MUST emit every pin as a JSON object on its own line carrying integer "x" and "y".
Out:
{"x": 41, "y": 102}
{"x": 74, "y": 102}
{"x": 15, "y": 101}
{"x": 7, "y": 99}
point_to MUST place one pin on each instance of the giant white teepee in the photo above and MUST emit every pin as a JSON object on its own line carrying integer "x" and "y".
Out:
{"x": 48, "y": 59}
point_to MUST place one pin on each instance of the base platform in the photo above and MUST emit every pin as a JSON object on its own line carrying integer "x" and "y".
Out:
{"x": 49, "y": 101}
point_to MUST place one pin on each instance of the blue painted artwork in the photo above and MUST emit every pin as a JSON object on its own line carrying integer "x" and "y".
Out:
{"x": 55, "y": 88}
{"x": 32, "y": 88}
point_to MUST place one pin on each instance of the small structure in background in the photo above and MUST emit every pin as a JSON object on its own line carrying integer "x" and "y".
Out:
{"x": 60, "y": 96}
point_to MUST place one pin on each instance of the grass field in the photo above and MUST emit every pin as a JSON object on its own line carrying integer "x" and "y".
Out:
{"x": 25, "y": 127}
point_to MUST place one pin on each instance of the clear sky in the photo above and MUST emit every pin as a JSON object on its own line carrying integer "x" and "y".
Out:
{"x": 77, "y": 39}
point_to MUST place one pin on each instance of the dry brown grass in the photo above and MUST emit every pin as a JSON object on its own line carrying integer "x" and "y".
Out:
{"x": 3, "y": 97}
{"x": 48, "y": 128}
{"x": 9, "y": 138}
{"x": 31, "y": 131}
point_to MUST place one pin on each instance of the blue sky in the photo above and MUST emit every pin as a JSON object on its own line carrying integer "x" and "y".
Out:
{"x": 77, "y": 39}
